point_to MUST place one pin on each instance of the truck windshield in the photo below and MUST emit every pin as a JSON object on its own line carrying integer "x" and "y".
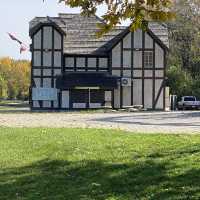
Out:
{"x": 189, "y": 99}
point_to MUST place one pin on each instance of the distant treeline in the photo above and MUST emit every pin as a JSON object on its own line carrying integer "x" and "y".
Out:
{"x": 184, "y": 56}
{"x": 14, "y": 78}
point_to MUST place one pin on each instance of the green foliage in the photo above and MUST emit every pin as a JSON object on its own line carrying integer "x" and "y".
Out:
{"x": 138, "y": 11}
{"x": 182, "y": 83}
{"x": 3, "y": 87}
{"x": 14, "y": 78}
{"x": 179, "y": 80}
{"x": 184, "y": 55}
{"x": 91, "y": 164}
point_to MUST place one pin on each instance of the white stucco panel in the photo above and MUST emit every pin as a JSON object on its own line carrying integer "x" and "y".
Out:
{"x": 46, "y": 72}
{"x": 126, "y": 96}
{"x": 92, "y": 62}
{"x": 137, "y": 92}
{"x": 57, "y": 59}
{"x": 117, "y": 98}
{"x": 127, "y": 73}
{"x": 148, "y": 41}
{"x": 159, "y": 57}
{"x": 148, "y": 93}
{"x": 36, "y": 104}
{"x": 137, "y": 73}
{"x": 69, "y": 62}
{"x": 159, "y": 73}
{"x": 103, "y": 62}
{"x": 137, "y": 59}
{"x": 138, "y": 38}
{"x": 46, "y": 104}
{"x": 127, "y": 41}
{"x": 57, "y": 40}
{"x": 37, "y": 40}
{"x": 65, "y": 99}
{"x": 80, "y": 62}
{"x": 37, "y": 58}
{"x": 116, "y": 56}
{"x": 47, "y": 37}
{"x": 47, "y": 82}
{"x": 127, "y": 58}
{"x": 37, "y": 82}
{"x": 148, "y": 73}
{"x": 47, "y": 59}
{"x": 37, "y": 72}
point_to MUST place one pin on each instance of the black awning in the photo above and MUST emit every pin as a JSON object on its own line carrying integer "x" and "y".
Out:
{"x": 86, "y": 79}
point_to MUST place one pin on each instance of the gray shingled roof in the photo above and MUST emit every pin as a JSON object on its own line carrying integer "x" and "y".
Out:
{"x": 80, "y": 33}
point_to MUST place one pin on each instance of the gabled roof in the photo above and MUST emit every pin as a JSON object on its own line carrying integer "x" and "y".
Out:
{"x": 81, "y": 33}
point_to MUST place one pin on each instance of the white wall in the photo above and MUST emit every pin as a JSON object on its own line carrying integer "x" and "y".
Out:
{"x": 159, "y": 56}
{"x": 137, "y": 92}
{"x": 116, "y": 56}
{"x": 65, "y": 99}
{"x": 148, "y": 93}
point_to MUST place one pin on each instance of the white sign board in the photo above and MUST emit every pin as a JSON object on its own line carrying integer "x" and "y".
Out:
{"x": 45, "y": 94}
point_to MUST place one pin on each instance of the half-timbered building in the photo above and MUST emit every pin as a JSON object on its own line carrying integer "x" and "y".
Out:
{"x": 72, "y": 68}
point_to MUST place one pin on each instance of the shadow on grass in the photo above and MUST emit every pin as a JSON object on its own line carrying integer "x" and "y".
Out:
{"x": 97, "y": 180}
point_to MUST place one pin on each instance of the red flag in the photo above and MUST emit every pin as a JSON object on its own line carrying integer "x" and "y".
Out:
{"x": 22, "y": 48}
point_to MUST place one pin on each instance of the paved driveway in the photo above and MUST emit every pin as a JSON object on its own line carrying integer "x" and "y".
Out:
{"x": 151, "y": 122}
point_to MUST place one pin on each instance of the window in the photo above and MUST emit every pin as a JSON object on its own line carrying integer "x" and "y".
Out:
{"x": 148, "y": 59}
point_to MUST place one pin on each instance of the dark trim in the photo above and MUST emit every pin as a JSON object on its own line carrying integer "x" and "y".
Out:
{"x": 132, "y": 65}
{"x": 42, "y": 56}
{"x": 40, "y": 25}
{"x": 97, "y": 64}
{"x": 88, "y": 69}
{"x": 40, "y": 67}
{"x": 164, "y": 89}
{"x": 47, "y": 49}
{"x": 62, "y": 54}
{"x": 75, "y": 64}
{"x": 136, "y": 68}
{"x": 137, "y": 49}
{"x": 158, "y": 41}
{"x": 156, "y": 78}
{"x": 52, "y": 64}
{"x": 123, "y": 34}
{"x": 153, "y": 84}
{"x": 113, "y": 98}
{"x": 85, "y": 55}
{"x": 86, "y": 64}
{"x": 32, "y": 81}
{"x": 143, "y": 46}
{"x": 121, "y": 73}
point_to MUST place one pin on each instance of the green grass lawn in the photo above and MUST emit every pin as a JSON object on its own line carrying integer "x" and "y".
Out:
{"x": 89, "y": 164}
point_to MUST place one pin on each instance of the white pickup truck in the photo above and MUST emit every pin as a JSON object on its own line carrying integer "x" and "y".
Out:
{"x": 188, "y": 102}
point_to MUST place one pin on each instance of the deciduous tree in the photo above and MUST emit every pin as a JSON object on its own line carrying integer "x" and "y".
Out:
{"x": 137, "y": 11}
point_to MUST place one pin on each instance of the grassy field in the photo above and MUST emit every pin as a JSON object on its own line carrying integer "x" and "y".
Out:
{"x": 89, "y": 164}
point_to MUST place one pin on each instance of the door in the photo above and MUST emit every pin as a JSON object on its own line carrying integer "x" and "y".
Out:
{"x": 87, "y": 98}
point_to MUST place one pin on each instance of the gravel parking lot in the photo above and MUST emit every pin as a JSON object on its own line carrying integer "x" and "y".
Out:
{"x": 144, "y": 122}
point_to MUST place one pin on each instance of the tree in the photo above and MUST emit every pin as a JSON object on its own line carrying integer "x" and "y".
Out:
{"x": 180, "y": 81}
{"x": 184, "y": 35}
{"x": 14, "y": 78}
{"x": 137, "y": 11}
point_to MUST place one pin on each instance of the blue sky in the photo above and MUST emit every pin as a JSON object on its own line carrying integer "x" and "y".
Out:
{"x": 15, "y": 16}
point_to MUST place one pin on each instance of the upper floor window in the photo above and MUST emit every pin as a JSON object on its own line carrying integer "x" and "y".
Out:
{"x": 148, "y": 59}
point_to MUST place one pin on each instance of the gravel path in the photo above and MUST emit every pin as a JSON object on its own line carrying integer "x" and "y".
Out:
{"x": 146, "y": 122}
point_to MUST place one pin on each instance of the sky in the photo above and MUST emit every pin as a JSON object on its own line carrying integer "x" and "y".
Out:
{"x": 15, "y": 16}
